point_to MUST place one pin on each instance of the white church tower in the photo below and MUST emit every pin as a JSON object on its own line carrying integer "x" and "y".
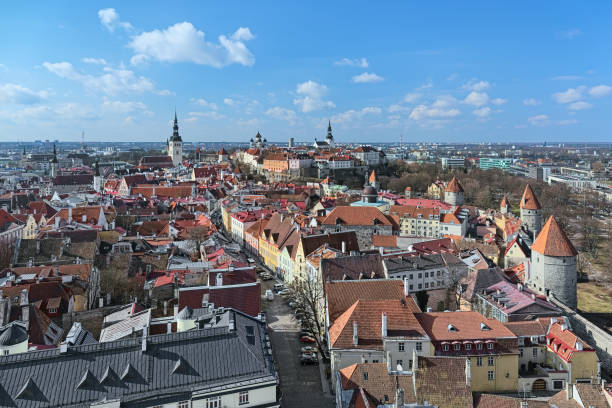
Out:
{"x": 175, "y": 145}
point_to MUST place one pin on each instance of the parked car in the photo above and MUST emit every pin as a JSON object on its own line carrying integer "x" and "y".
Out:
{"x": 308, "y": 349}
{"x": 309, "y": 359}
{"x": 307, "y": 339}
{"x": 269, "y": 295}
{"x": 279, "y": 287}
{"x": 306, "y": 333}
{"x": 284, "y": 292}
{"x": 265, "y": 276}
{"x": 292, "y": 304}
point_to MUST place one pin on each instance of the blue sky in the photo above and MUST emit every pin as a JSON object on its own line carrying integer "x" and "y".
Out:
{"x": 430, "y": 71}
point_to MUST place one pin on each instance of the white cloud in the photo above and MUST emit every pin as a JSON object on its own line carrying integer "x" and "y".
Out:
{"x": 571, "y": 34}
{"x": 205, "y": 103}
{"x": 566, "y": 122}
{"x": 367, "y": 77}
{"x": 312, "y": 97}
{"x": 538, "y": 120}
{"x": 126, "y": 107}
{"x": 182, "y": 42}
{"x": 110, "y": 19}
{"x": 477, "y": 86}
{"x": 96, "y": 61}
{"x": 14, "y": 93}
{"x": 279, "y": 113}
{"x": 357, "y": 62}
{"x": 229, "y": 101}
{"x": 571, "y": 95}
{"x": 396, "y": 107}
{"x": 475, "y": 98}
{"x": 412, "y": 97}
{"x": 600, "y": 90}
{"x": 192, "y": 116}
{"x": 351, "y": 116}
{"x": 112, "y": 81}
{"x": 499, "y": 101}
{"x": 424, "y": 112}
{"x": 444, "y": 101}
{"x": 580, "y": 105}
{"x": 243, "y": 34}
{"x": 531, "y": 102}
{"x": 482, "y": 112}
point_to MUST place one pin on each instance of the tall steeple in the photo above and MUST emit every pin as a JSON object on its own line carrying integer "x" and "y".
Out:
{"x": 175, "y": 144}
{"x": 329, "y": 138}
{"x": 54, "y": 159}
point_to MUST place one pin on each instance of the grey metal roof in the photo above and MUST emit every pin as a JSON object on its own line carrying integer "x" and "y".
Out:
{"x": 173, "y": 365}
{"x": 13, "y": 333}
{"x": 418, "y": 262}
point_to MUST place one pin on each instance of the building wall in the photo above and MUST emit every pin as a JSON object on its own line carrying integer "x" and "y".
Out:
{"x": 533, "y": 220}
{"x": 364, "y": 232}
{"x": 453, "y": 198}
{"x": 505, "y": 372}
{"x": 554, "y": 276}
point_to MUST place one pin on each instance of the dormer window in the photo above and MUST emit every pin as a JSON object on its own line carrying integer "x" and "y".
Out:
{"x": 484, "y": 327}
{"x": 451, "y": 328}
{"x": 365, "y": 376}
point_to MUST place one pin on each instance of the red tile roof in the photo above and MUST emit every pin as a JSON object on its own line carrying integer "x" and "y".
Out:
{"x": 356, "y": 216}
{"x": 565, "y": 343}
{"x": 552, "y": 241}
{"x": 529, "y": 200}
{"x": 467, "y": 325}
{"x": 454, "y": 186}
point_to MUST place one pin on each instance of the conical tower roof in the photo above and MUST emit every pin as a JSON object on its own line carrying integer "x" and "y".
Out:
{"x": 529, "y": 200}
{"x": 504, "y": 202}
{"x": 552, "y": 241}
{"x": 372, "y": 178}
{"x": 454, "y": 186}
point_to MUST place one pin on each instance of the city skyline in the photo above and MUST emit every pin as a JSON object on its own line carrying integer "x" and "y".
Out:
{"x": 431, "y": 74}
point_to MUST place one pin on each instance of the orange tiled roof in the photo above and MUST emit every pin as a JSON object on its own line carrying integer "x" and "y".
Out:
{"x": 467, "y": 324}
{"x": 529, "y": 201}
{"x": 356, "y": 216}
{"x": 552, "y": 241}
{"x": 368, "y": 315}
{"x": 454, "y": 186}
{"x": 564, "y": 342}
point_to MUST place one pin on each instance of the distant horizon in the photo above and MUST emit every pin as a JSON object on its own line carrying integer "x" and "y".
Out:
{"x": 429, "y": 72}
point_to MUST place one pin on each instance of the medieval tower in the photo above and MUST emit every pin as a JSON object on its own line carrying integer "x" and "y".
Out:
{"x": 453, "y": 194}
{"x": 531, "y": 212}
{"x": 553, "y": 269}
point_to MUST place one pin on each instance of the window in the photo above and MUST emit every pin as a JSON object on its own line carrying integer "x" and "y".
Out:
{"x": 491, "y": 361}
{"x": 479, "y": 361}
{"x": 457, "y": 347}
{"x": 446, "y": 347}
{"x": 400, "y": 346}
{"x": 213, "y": 402}
{"x": 185, "y": 404}
{"x": 243, "y": 397}
{"x": 490, "y": 346}
{"x": 520, "y": 352}
{"x": 420, "y": 275}
{"x": 491, "y": 375}
{"x": 426, "y": 285}
{"x": 427, "y": 274}
{"x": 375, "y": 361}
{"x": 420, "y": 286}
{"x": 558, "y": 384}
{"x": 400, "y": 363}
{"x": 468, "y": 346}
{"x": 411, "y": 286}
{"x": 411, "y": 276}
{"x": 479, "y": 346}
{"x": 365, "y": 376}
{"x": 535, "y": 351}
{"x": 419, "y": 346}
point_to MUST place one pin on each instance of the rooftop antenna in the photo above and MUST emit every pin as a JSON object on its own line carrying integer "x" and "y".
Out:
{"x": 83, "y": 138}
{"x": 401, "y": 136}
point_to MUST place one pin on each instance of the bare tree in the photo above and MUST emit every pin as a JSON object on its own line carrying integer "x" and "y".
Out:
{"x": 309, "y": 296}
{"x": 198, "y": 235}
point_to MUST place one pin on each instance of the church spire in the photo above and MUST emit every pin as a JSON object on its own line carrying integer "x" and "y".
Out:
{"x": 175, "y": 130}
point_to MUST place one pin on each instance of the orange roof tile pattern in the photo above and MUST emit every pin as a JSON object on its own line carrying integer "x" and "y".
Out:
{"x": 529, "y": 201}
{"x": 454, "y": 186}
{"x": 552, "y": 241}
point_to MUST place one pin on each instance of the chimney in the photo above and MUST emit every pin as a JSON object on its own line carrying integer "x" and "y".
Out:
{"x": 219, "y": 279}
{"x": 165, "y": 308}
{"x": 344, "y": 247}
{"x": 406, "y": 291}
{"x": 399, "y": 398}
{"x": 415, "y": 361}
{"x": 563, "y": 327}
{"x": 56, "y": 222}
{"x": 384, "y": 325}
{"x": 569, "y": 391}
{"x": 25, "y": 308}
{"x": 468, "y": 372}
{"x": 37, "y": 247}
{"x": 144, "y": 338}
{"x": 381, "y": 251}
{"x": 69, "y": 215}
{"x": 355, "y": 338}
{"x": 519, "y": 286}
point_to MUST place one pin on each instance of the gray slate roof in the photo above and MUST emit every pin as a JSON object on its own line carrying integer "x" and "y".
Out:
{"x": 173, "y": 365}
{"x": 418, "y": 262}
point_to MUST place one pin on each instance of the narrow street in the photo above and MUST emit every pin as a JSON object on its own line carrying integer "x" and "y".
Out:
{"x": 300, "y": 385}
